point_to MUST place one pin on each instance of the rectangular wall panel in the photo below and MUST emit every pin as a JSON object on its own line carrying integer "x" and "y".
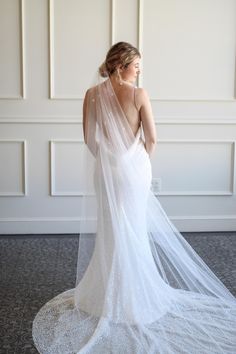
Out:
{"x": 195, "y": 167}
{"x": 13, "y": 168}
{"x": 80, "y": 35}
{"x": 12, "y": 49}
{"x": 125, "y": 12}
{"x": 67, "y": 168}
{"x": 189, "y": 49}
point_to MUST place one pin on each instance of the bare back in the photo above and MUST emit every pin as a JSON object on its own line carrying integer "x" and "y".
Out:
{"x": 126, "y": 96}
{"x": 137, "y": 108}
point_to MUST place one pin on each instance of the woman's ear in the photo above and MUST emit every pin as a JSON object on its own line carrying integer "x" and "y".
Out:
{"x": 120, "y": 68}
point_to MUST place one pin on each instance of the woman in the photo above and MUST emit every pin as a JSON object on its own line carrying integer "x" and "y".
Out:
{"x": 134, "y": 101}
{"x": 145, "y": 289}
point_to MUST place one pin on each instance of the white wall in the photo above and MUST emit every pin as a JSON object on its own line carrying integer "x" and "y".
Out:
{"x": 50, "y": 51}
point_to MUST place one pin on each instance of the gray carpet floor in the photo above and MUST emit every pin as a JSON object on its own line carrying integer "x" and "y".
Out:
{"x": 35, "y": 268}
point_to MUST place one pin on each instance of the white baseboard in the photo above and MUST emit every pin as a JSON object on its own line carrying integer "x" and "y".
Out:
{"x": 207, "y": 223}
{"x": 44, "y": 225}
{"x": 67, "y": 225}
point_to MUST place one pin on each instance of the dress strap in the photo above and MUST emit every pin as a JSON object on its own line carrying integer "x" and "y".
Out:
{"x": 135, "y": 98}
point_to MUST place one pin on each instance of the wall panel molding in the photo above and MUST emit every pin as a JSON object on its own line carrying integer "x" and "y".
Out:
{"x": 160, "y": 120}
{"x": 112, "y": 21}
{"x": 53, "y": 191}
{"x": 198, "y": 99}
{"x": 204, "y": 193}
{"x": 22, "y": 46}
{"x": 140, "y": 36}
{"x": 60, "y": 225}
{"x": 175, "y": 99}
{"x": 52, "y": 94}
{"x": 22, "y": 55}
{"x": 77, "y": 219}
{"x": 23, "y": 193}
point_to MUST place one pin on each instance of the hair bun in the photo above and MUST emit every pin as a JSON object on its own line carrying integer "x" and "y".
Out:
{"x": 103, "y": 70}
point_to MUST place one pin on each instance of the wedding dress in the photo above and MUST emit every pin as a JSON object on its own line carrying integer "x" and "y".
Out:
{"x": 145, "y": 290}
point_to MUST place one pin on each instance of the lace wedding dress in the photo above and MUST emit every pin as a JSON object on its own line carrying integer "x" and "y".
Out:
{"x": 145, "y": 290}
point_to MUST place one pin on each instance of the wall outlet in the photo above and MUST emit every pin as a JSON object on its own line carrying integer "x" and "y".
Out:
{"x": 156, "y": 185}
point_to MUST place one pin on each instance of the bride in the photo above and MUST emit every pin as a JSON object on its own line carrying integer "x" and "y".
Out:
{"x": 145, "y": 289}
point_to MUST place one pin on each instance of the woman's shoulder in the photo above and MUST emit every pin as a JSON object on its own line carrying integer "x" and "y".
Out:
{"x": 141, "y": 95}
{"x": 141, "y": 91}
{"x": 93, "y": 88}
{"x": 90, "y": 89}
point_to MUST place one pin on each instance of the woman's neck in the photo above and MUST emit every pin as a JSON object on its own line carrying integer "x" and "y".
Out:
{"x": 115, "y": 81}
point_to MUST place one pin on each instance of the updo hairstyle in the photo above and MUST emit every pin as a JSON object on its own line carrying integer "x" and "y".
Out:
{"x": 121, "y": 53}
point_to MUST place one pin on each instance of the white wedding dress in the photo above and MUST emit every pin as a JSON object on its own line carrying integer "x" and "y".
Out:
{"x": 145, "y": 290}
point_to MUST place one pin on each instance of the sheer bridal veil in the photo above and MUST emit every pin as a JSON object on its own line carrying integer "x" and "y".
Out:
{"x": 143, "y": 275}
{"x": 143, "y": 289}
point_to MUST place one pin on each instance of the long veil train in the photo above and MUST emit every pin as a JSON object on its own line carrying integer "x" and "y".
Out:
{"x": 145, "y": 290}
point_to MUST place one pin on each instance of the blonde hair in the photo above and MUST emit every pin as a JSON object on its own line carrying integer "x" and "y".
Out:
{"x": 121, "y": 53}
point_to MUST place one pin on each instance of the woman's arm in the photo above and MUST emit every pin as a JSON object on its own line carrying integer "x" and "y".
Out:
{"x": 85, "y": 119}
{"x": 147, "y": 119}
{"x": 89, "y": 123}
